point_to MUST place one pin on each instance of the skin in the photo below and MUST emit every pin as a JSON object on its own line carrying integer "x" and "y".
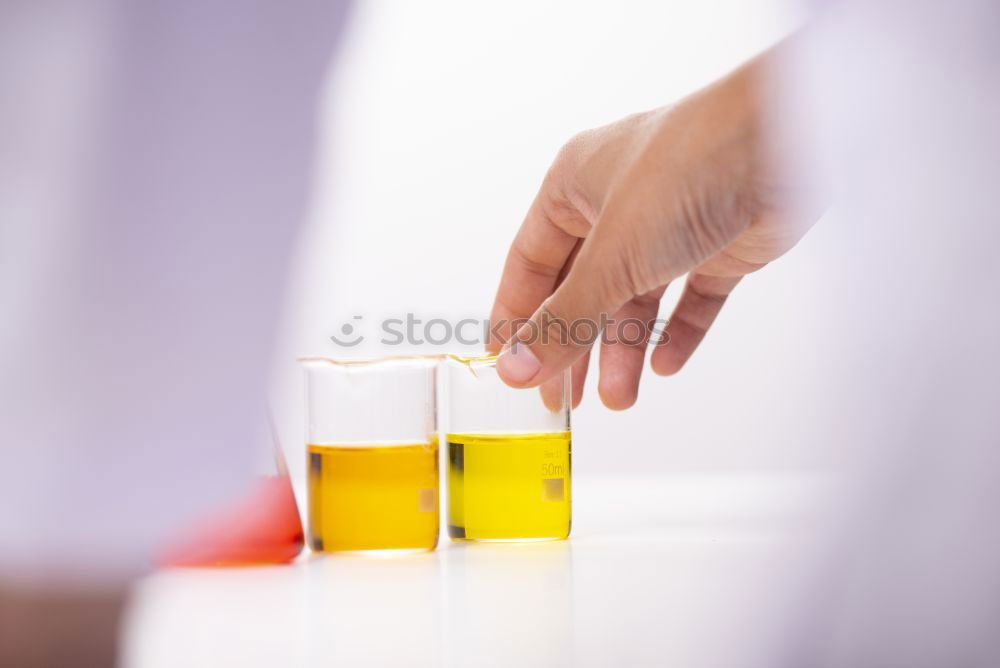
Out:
{"x": 627, "y": 208}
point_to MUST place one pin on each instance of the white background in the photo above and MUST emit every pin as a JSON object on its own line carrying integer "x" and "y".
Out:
{"x": 440, "y": 120}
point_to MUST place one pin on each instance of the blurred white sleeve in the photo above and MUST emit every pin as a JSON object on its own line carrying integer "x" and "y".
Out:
{"x": 155, "y": 160}
{"x": 898, "y": 112}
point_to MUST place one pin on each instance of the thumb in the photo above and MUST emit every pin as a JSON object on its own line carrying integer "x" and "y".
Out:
{"x": 570, "y": 321}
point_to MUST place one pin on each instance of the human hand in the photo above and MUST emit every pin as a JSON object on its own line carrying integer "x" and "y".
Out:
{"x": 624, "y": 210}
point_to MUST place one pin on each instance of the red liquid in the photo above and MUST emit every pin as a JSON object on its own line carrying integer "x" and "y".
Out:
{"x": 261, "y": 528}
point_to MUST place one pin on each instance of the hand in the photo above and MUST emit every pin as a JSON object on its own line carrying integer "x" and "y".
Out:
{"x": 624, "y": 210}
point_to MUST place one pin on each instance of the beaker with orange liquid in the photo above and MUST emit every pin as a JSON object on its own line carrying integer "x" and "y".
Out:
{"x": 372, "y": 454}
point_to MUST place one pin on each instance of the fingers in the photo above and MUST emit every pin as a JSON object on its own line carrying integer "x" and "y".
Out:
{"x": 566, "y": 325}
{"x": 552, "y": 388}
{"x": 697, "y": 308}
{"x": 624, "y": 350}
{"x": 538, "y": 260}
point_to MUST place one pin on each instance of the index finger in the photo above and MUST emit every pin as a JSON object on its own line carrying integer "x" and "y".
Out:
{"x": 536, "y": 262}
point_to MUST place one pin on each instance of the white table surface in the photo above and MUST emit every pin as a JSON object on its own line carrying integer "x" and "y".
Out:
{"x": 657, "y": 572}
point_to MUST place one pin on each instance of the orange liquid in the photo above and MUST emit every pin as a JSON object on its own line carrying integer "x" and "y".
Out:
{"x": 263, "y": 527}
{"x": 373, "y": 498}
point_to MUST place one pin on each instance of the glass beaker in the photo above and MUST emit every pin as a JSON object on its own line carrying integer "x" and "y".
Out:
{"x": 261, "y": 526}
{"x": 372, "y": 454}
{"x": 508, "y": 456}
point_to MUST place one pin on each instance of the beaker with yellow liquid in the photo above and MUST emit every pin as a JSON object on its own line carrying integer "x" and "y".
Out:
{"x": 509, "y": 456}
{"x": 372, "y": 454}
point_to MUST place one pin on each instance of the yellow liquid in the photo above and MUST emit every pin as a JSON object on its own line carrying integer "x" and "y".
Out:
{"x": 373, "y": 498}
{"x": 509, "y": 486}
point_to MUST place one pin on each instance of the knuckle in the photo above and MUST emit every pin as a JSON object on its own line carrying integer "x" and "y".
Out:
{"x": 574, "y": 147}
{"x": 558, "y": 326}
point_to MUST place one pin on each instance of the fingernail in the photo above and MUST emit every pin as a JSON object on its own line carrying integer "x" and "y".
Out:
{"x": 518, "y": 364}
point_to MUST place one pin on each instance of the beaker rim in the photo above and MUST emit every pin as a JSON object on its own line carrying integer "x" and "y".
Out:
{"x": 367, "y": 361}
